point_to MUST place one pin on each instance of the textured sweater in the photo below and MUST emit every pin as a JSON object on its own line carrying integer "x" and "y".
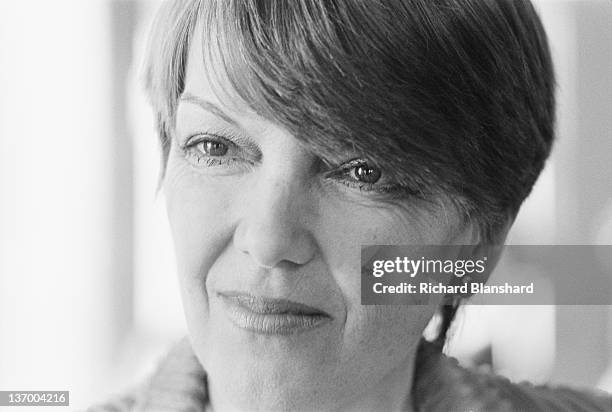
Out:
{"x": 179, "y": 384}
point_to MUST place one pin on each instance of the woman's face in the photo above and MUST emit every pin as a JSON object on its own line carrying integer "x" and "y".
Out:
{"x": 268, "y": 248}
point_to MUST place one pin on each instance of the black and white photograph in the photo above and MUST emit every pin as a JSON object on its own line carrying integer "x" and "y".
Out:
{"x": 306, "y": 205}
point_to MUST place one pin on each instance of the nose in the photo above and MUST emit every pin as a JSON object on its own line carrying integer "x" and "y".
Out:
{"x": 274, "y": 223}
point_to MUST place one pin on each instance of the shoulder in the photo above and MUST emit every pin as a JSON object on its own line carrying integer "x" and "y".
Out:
{"x": 442, "y": 384}
{"x": 178, "y": 384}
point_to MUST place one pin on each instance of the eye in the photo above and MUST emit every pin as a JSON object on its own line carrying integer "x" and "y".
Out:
{"x": 364, "y": 176}
{"x": 365, "y": 173}
{"x": 212, "y": 148}
{"x": 225, "y": 153}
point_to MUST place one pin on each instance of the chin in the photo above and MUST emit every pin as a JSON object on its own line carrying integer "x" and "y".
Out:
{"x": 280, "y": 372}
{"x": 279, "y": 381}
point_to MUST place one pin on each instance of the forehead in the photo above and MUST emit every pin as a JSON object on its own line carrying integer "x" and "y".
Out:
{"x": 207, "y": 80}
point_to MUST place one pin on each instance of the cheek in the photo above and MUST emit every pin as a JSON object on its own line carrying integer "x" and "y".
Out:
{"x": 201, "y": 226}
{"x": 343, "y": 230}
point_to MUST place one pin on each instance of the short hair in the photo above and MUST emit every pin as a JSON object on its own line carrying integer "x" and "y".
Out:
{"x": 456, "y": 95}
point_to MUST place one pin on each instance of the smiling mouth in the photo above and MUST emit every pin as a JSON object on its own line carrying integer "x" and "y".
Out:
{"x": 271, "y": 316}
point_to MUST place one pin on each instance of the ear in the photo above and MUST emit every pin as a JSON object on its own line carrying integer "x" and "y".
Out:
{"x": 472, "y": 246}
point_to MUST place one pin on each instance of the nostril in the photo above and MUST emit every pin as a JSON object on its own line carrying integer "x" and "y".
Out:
{"x": 272, "y": 245}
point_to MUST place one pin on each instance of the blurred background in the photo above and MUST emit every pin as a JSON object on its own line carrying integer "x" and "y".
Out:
{"x": 88, "y": 295}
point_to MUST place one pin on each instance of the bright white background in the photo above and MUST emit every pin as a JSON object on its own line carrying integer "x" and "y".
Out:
{"x": 88, "y": 298}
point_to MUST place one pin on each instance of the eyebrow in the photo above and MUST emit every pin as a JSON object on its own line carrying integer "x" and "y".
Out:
{"x": 208, "y": 106}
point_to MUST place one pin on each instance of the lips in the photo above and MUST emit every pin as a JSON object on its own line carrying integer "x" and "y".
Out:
{"x": 271, "y": 316}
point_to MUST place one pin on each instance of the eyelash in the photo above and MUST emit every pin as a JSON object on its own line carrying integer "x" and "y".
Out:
{"x": 339, "y": 174}
{"x": 194, "y": 155}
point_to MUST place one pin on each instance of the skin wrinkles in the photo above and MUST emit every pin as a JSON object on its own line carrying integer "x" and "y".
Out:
{"x": 277, "y": 227}
{"x": 338, "y": 202}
